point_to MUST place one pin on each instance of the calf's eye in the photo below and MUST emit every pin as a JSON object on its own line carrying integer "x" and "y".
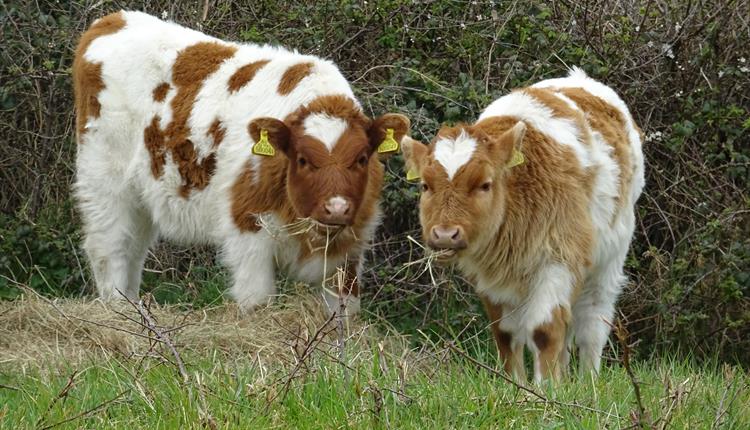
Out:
{"x": 425, "y": 187}
{"x": 362, "y": 160}
{"x": 302, "y": 161}
{"x": 486, "y": 186}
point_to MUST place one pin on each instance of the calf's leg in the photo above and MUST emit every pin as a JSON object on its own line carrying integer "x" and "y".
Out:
{"x": 117, "y": 236}
{"x": 593, "y": 314}
{"x": 550, "y": 346}
{"x": 144, "y": 235}
{"x": 250, "y": 257}
{"x": 509, "y": 349}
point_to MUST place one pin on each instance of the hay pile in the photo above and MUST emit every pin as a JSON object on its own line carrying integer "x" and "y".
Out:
{"x": 36, "y": 331}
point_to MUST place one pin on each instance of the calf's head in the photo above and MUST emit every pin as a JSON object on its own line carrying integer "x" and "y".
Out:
{"x": 331, "y": 148}
{"x": 463, "y": 182}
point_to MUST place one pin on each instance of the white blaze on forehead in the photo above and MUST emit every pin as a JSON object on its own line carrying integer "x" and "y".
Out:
{"x": 452, "y": 154}
{"x": 325, "y": 128}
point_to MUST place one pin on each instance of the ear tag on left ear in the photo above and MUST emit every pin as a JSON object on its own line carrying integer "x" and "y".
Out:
{"x": 263, "y": 146}
{"x": 412, "y": 175}
{"x": 516, "y": 158}
{"x": 389, "y": 144}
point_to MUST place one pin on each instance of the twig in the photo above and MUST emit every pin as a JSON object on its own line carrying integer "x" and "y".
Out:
{"x": 306, "y": 353}
{"x": 721, "y": 410}
{"x": 61, "y": 395}
{"x": 621, "y": 333}
{"x": 495, "y": 372}
{"x": 204, "y": 15}
{"x": 341, "y": 314}
{"x": 71, "y": 318}
{"x": 677, "y": 396}
{"x": 150, "y": 324}
{"x": 88, "y": 411}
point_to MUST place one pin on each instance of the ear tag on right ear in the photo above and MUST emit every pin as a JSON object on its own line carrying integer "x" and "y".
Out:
{"x": 263, "y": 146}
{"x": 389, "y": 144}
{"x": 516, "y": 158}
{"x": 412, "y": 175}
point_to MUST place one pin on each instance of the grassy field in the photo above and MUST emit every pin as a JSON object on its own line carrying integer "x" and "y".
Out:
{"x": 81, "y": 364}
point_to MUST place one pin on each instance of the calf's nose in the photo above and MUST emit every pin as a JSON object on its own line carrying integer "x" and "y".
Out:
{"x": 336, "y": 210}
{"x": 449, "y": 237}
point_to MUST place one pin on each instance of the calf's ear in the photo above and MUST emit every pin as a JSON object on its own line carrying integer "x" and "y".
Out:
{"x": 508, "y": 148}
{"x": 276, "y": 133}
{"x": 378, "y": 133}
{"x": 414, "y": 156}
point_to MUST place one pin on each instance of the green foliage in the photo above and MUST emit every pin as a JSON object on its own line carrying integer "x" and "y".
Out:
{"x": 41, "y": 258}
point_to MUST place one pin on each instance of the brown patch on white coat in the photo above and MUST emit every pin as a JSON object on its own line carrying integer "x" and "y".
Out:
{"x": 244, "y": 75}
{"x": 609, "y": 121}
{"x": 550, "y": 339}
{"x": 512, "y": 357}
{"x": 87, "y": 76}
{"x": 217, "y": 132}
{"x": 293, "y": 76}
{"x": 160, "y": 92}
{"x": 191, "y": 68}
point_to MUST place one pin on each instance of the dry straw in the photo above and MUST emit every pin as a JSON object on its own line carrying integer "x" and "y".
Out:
{"x": 35, "y": 331}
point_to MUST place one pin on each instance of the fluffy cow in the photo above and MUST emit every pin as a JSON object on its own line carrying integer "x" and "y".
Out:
{"x": 534, "y": 202}
{"x": 259, "y": 150}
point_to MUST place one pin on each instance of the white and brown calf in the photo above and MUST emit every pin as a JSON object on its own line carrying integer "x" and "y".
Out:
{"x": 535, "y": 203}
{"x": 169, "y": 123}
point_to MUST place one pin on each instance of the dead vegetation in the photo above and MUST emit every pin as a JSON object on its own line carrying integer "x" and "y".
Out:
{"x": 35, "y": 331}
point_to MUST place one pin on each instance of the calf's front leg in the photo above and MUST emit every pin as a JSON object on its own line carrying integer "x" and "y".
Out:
{"x": 250, "y": 259}
{"x": 509, "y": 349}
{"x": 550, "y": 346}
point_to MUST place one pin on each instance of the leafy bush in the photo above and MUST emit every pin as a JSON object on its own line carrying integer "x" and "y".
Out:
{"x": 683, "y": 67}
{"x": 41, "y": 258}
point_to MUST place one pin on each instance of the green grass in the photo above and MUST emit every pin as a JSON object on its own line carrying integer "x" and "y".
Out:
{"x": 409, "y": 380}
{"x": 379, "y": 389}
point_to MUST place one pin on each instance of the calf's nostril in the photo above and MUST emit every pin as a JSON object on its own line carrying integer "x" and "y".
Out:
{"x": 455, "y": 234}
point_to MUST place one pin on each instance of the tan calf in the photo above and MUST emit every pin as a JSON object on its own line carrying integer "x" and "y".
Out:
{"x": 534, "y": 201}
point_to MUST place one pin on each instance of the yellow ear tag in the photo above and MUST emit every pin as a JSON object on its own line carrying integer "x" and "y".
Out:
{"x": 389, "y": 144}
{"x": 412, "y": 175}
{"x": 263, "y": 146}
{"x": 516, "y": 158}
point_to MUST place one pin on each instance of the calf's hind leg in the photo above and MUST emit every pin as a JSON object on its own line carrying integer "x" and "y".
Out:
{"x": 144, "y": 235}
{"x": 594, "y": 310}
{"x": 593, "y": 314}
{"x": 117, "y": 236}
